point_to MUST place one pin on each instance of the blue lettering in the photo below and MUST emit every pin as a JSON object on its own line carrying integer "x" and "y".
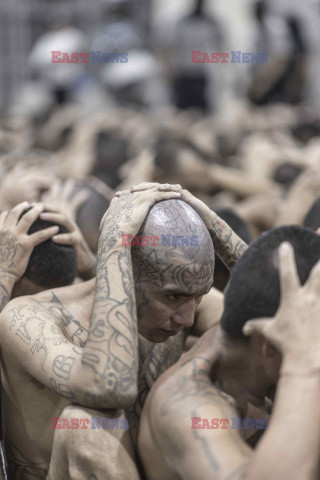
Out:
{"x": 236, "y": 56}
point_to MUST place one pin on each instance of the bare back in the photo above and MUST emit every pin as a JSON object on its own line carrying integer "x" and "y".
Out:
{"x": 41, "y": 324}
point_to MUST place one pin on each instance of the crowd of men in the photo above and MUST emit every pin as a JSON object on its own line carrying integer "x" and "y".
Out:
{"x": 159, "y": 298}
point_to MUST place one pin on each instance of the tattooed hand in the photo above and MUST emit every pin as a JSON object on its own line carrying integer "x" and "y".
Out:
{"x": 16, "y": 245}
{"x": 228, "y": 246}
{"x": 86, "y": 260}
{"x": 128, "y": 211}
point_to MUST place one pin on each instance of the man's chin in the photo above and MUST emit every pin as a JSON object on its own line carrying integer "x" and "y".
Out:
{"x": 155, "y": 337}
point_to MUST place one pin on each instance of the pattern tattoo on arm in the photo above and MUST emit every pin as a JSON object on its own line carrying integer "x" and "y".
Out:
{"x": 111, "y": 351}
{"x": 161, "y": 356}
{"x": 228, "y": 246}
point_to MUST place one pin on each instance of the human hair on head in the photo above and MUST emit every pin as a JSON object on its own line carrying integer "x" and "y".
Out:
{"x": 254, "y": 287}
{"x": 51, "y": 265}
{"x": 312, "y": 219}
{"x": 286, "y": 173}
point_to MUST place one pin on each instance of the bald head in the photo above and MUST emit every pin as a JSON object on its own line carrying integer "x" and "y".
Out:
{"x": 181, "y": 252}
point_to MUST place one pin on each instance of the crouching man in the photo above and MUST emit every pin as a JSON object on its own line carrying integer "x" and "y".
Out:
{"x": 205, "y": 415}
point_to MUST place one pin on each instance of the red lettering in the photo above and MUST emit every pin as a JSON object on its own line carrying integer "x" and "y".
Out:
{"x": 135, "y": 241}
{"x": 195, "y": 421}
{"x": 215, "y": 423}
{"x": 84, "y": 57}
{"x": 225, "y": 57}
{"x": 144, "y": 241}
{"x": 224, "y": 421}
{"x": 55, "y": 423}
{"x": 84, "y": 422}
{"x": 195, "y": 57}
{"x": 65, "y": 58}
{"x": 75, "y": 423}
{"x": 206, "y": 58}
{"x": 54, "y": 56}
{"x": 154, "y": 241}
{"x": 74, "y": 57}
{"x": 126, "y": 239}
{"x": 65, "y": 424}
{"x": 205, "y": 423}
{"x": 215, "y": 57}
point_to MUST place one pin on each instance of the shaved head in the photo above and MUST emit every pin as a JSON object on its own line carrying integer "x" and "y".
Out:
{"x": 184, "y": 254}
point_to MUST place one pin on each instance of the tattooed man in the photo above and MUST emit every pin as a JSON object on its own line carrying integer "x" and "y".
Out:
{"x": 79, "y": 344}
{"x": 170, "y": 277}
{"x": 17, "y": 245}
{"x": 205, "y": 415}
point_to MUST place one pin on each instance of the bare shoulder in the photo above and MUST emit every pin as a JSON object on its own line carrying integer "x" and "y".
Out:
{"x": 177, "y": 424}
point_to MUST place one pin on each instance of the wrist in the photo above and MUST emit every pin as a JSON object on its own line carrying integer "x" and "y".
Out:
{"x": 10, "y": 276}
{"x": 295, "y": 364}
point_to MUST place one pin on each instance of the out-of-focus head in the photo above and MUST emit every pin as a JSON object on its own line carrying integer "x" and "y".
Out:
{"x": 286, "y": 173}
{"x": 111, "y": 153}
{"x": 254, "y": 286}
{"x": 173, "y": 270}
{"x": 90, "y": 214}
{"x": 51, "y": 265}
{"x": 312, "y": 219}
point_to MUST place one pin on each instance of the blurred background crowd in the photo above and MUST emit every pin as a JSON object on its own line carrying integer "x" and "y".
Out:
{"x": 243, "y": 137}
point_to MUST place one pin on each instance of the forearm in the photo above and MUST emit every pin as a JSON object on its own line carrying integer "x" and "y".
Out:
{"x": 110, "y": 356}
{"x": 290, "y": 447}
{"x": 239, "y": 182}
{"x": 161, "y": 356}
{"x": 228, "y": 246}
{"x": 7, "y": 281}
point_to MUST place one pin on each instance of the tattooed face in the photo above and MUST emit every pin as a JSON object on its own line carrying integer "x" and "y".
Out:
{"x": 167, "y": 296}
{"x": 171, "y": 278}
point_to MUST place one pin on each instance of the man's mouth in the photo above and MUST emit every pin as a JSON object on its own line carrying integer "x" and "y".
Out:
{"x": 171, "y": 333}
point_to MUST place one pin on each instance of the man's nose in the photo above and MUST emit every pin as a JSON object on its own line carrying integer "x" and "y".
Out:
{"x": 185, "y": 315}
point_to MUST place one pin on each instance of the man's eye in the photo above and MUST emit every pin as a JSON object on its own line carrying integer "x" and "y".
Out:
{"x": 174, "y": 296}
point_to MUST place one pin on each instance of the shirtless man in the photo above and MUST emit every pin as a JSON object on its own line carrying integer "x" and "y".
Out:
{"x": 80, "y": 344}
{"x": 16, "y": 247}
{"x": 199, "y": 418}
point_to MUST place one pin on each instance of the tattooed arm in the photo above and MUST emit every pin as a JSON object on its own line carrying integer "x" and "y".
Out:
{"x": 16, "y": 246}
{"x": 104, "y": 373}
{"x": 158, "y": 359}
{"x": 228, "y": 246}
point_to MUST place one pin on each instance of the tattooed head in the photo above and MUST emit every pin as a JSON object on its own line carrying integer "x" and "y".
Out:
{"x": 50, "y": 265}
{"x": 173, "y": 267}
{"x": 254, "y": 287}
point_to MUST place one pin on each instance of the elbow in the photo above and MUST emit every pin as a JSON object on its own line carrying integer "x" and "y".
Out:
{"x": 98, "y": 396}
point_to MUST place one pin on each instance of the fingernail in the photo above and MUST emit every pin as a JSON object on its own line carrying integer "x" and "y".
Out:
{"x": 284, "y": 248}
{"x": 55, "y": 228}
{"x": 246, "y": 327}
